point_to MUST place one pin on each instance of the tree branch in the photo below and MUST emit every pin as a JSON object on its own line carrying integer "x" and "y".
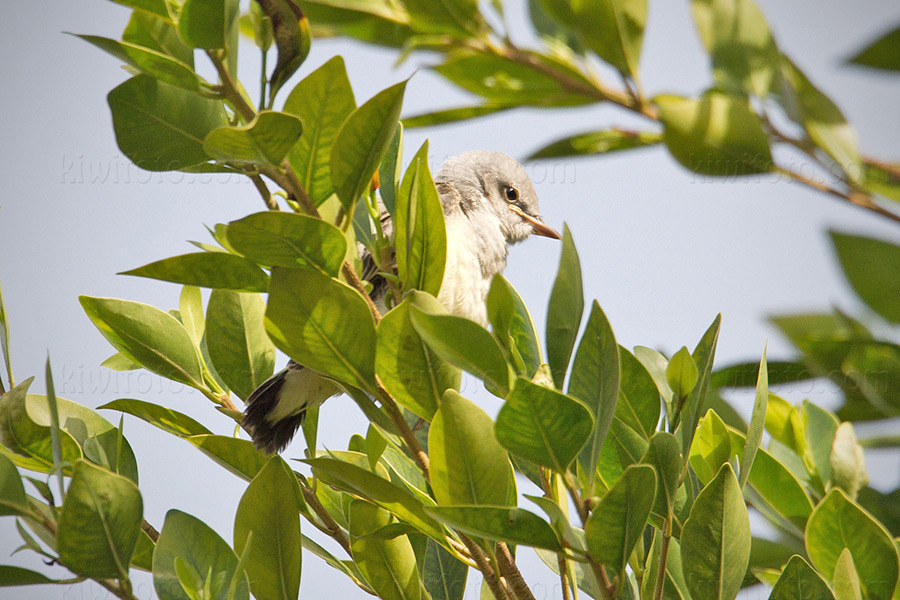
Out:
{"x": 263, "y": 190}
{"x": 494, "y": 583}
{"x": 334, "y": 530}
{"x": 403, "y": 428}
{"x": 509, "y": 570}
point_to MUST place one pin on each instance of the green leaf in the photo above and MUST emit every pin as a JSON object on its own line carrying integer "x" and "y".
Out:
{"x": 595, "y": 381}
{"x": 597, "y": 142}
{"x": 616, "y": 524}
{"x": 623, "y": 447}
{"x": 270, "y": 509}
{"x": 734, "y": 32}
{"x": 362, "y": 141}
{"x": 873, "y": 269}
{"x": 292, "y": 39}
{"x": 716, "y": 538}
{"x": 158, "y": 65}
{"x": 757, "y": 422}
{"x": 389, "y": 565}
{"x": 565, "y": 309}
{"x": 463, "y": 343}
{"x": 419, "y": 235}
{"x": 821, "y": 118}
{"x": 11, "y": 576}
{"x": 161, "y": 127}
{"x": 506, "y": 82}
{"x": 190, "y": 312}
{"x": 192, "y": 541}
{"x": 744, "y": 375}
{"x": 711, "y": 447}
{"x": 847, "y": 461}
{"x": 347, "y": 567}
{"x": 703, "y": 356}
{"x": 147, "y": 336}
{"x": 156, "y": 7}
{"x": 398, "y": 500}
{"x": 846, "y": 580}
{"x": 543, "y": 425}
{"x": 638, "y": 404}
{"x": 240, "y": 350}
{"x": 99, "y": 523}
{"x": 207, "y": 269}
{"x": 716, "y": 134}
{"x": 389, "y": 174}
{"x": 664, "y": 455}
{"x": 799, "y": 581}
{"x": 164, "y": 418}
{"x": 513, "y": 325}
{"x": 322, "y": 324}
{"x": 838, "y": 523}
{"x": 459, "y": 18}
{"x": 613, "y": 29}
{"x": 452, "y": 115}
{"x": 237, "y": 456}
{"x": 323, "y": 101}
{"x": 265, "y": 141}
{"x": 157, "y": 33}
{"x": 414, "y": 375}
{"x": 443, "y": 575}
{"x": 513, "y": 525}
{"x": 4, "y": 343}
{"x": 681, "y": 373}
{"x": 287, "y": 239}
{"x": 882, "y": 178}
{"x": 883, "y": 53}
{"x": 468, "y": 465}
{"x": 13, "y": 500}
{"x": 205, "y": 23}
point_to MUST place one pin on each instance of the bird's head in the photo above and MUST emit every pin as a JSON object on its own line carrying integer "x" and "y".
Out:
{"x": 496, "y": 183}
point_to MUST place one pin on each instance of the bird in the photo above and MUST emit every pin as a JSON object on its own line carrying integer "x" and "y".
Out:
{"x": 489, "y": 203}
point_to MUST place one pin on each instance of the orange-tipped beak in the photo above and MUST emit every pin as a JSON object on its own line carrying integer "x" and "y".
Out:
{"x": 538, "y": 226}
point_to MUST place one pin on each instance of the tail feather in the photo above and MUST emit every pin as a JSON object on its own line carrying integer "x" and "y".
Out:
{"x": 277, "y": 408}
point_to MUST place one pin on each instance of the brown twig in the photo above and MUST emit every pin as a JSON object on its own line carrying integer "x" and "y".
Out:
{"x": 663, "y": 559}
{"x": 494, "y": 583}
{"x": 509, "y": 570}
{"x": 263, "y": 190}
{"x": 606, "y": 586}
{"x": 334, "y": 530}
{"x": 229, "y": 88}
{"x": 116, "y": 588}
{"x": 150, "y": 530}
{"x": 403, "y": 428}
{"x": 563, "y": 567}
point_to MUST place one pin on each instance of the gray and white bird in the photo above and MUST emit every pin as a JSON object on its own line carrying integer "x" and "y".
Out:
{"x": 489, "y": 203}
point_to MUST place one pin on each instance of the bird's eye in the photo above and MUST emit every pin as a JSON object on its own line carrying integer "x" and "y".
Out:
{"x": 511, "y": 193}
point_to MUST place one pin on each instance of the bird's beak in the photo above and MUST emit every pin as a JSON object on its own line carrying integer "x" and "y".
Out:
{"x": 538, "y": 226}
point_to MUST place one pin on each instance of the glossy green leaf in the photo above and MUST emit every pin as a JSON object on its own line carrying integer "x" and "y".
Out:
{"x": 617, "y": 522}
{"x": 623, "y": 447}
{"x": 205, "y": 23}
{"x": 883, "y": 53}
{"x": 157, "y": 33}
{"x": 565, "y": 309}
{"x": 147, "y": 336}
{"x": 270, "y": 510}
{"x": 414, "y": 375}
{"x": 513, "y": 525}
{"x": 152, "y": 62}
{"x": 419, "y": 233}
{"x": 716, "y": 539}
{"x": 656, "y": 365}
{"x": 872, "y": 267}
{"x": 757, "y": 422}
{"x": 206, "y": 269}
{"x": 465, "y": 344}
{"x": 681, "y": 373}
{"x": 595, "y": 381}
{"x": 362, "y": 141}
{"x": 453, "y": 18}
{"x": 389, "y": 172}
{"x": 674, "y": 587}
{"x": 398, "y": 500}
{"x": 290, "y": 29}
{"x": 11, "y": 576}
{"x": 156, "y": 7}
{"x": 847, "y": 461}
{"x": 452, "y": 115}
{"x": 443, "y": 575}
{"x": 716, "y": 134}
{"x": 193, "y": 542}
{"x": 711, "y": 447}
{"x": 241, "y": 352}
{"x": 468, "y": 465}
{"x": 510, "y": 83}
{"x": 322, "y": 324}
{"x": 4, "y": 343}
{"x": 323, "y": 101}
{"x": 543, "y": 425}
{"x": 237, "y": 456}
{"x": 744, "y": 375}
{"x": 190, "y": 313}
{"x": 389, "y": 565}
{"x": 161, "y": 127}
{"x": 597, "y": 142}
{"x": 287, "y": 239}
{"x": 613, "y": 29}
{"x": 638, "y": 404}
{"x": 821, "y": 118}
{"x": 664, "y": 455}
{"x": 346, "y": 567}
{"x": 255, "y": 24}
{"x": 164, "y": 418}
{"x": 799, "y": 581}
{"x": 734, "y": 32}
{"x": 99, "y": 522}
{"x": 882, "y": 178}
{"x": 13, "y": 500}
{"x": 845, "y": 580}
{"x": 839, "y": 523}
{"x": 703, "y": 356}
{"x": 512, "y": 324}
{"x": 265, "y": 141}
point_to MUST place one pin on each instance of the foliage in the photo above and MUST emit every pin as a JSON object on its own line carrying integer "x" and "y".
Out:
{"x": 659, "y": 469}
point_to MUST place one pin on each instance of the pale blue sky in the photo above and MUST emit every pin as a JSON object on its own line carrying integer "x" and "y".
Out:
{"x": 662, "y": 250}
